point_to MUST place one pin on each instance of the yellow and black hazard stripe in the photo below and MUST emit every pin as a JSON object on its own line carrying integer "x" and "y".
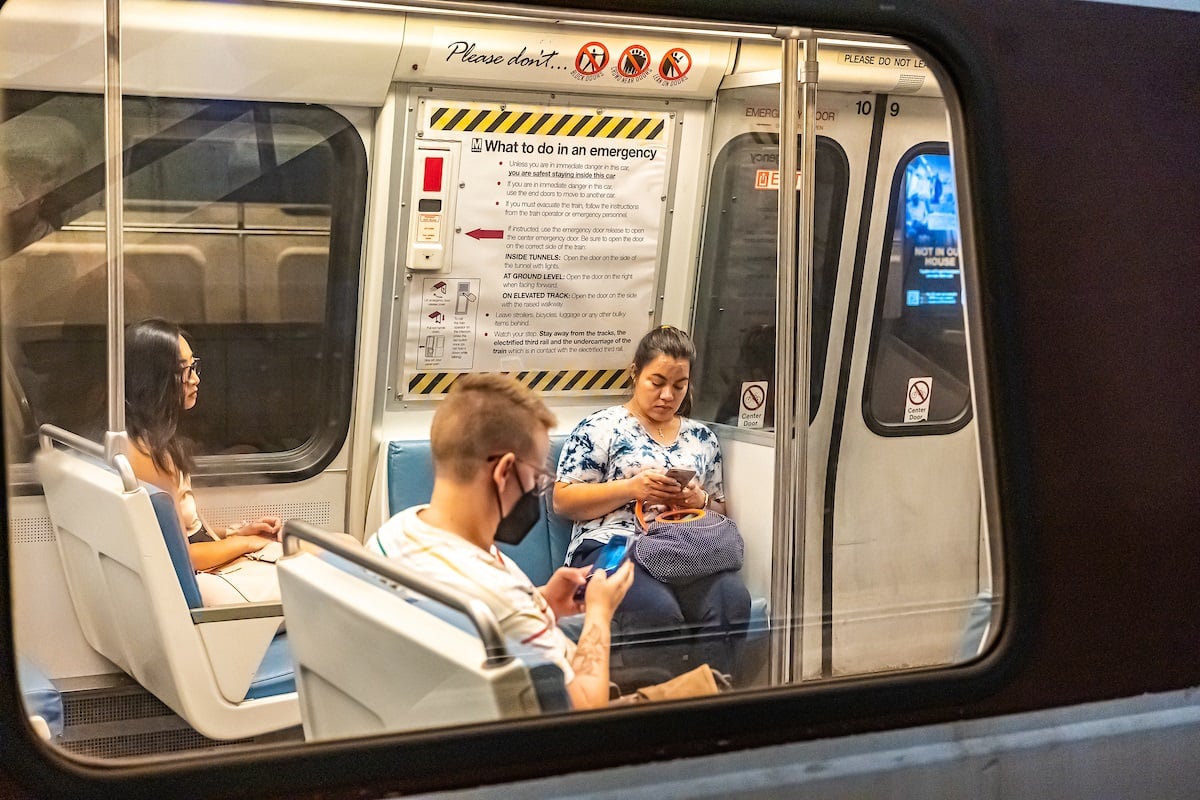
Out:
{"x": 566, "y": 380}
{"x": 549, "y": 123}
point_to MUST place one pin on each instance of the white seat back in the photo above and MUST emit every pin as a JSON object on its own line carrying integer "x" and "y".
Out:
{"x": 131, "y": 607}
{"x": 371, "y": 658}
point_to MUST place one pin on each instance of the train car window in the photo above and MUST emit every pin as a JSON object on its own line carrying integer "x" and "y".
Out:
{"x": 735, "y": 298}
{"x": 243, "y": 224}
{"x": 917, "y": 379}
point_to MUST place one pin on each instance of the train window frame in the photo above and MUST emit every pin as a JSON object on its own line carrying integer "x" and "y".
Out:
{"x": 571, "y": 741}
{"x": 966, "y": 413}
{"x": 344, "y": 162}
{"x": 707, "y": 277}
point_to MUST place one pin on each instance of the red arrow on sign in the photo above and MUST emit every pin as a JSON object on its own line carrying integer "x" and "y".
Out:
{"x": 484, "y": 233}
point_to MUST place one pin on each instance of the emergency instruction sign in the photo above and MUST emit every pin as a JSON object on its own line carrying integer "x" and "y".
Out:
{"x": 558, "y": 222}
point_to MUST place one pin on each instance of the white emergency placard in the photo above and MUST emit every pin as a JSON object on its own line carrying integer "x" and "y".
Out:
{"x": 752, "y": 407}
{"x": 916, "y": 402}
{"x": 557, "y": 224}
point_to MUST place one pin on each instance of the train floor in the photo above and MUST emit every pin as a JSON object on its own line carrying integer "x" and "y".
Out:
{"x": 112, "y": 716}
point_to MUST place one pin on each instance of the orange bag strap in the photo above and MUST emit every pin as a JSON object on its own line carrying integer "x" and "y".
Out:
{"x": 674, "y": 515}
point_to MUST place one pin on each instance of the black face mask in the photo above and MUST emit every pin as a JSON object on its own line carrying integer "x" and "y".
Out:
{"x": 516, "y": 525}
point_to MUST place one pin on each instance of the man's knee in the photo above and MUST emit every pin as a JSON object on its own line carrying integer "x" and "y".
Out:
{"x": 653, "y": 614}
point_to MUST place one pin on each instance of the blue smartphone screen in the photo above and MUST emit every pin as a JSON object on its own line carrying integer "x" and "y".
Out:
{"x": 612, "y": 555}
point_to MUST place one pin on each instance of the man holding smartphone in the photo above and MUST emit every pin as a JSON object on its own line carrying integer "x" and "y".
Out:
{"x": 490, "y": 442}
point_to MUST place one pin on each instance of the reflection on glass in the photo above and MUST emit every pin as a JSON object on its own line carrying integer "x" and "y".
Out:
{"x": 228, "y": 212}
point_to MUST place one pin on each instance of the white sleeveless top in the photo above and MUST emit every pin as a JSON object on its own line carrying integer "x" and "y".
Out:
{"x": 189, "y": 518}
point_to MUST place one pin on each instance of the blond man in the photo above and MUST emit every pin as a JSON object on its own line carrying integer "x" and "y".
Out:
{"x": 490, "y": 444}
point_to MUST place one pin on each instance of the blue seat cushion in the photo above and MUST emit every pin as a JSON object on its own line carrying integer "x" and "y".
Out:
{"x": 177, "y": 546}
{"x": 410, "y": 483}
{"x": 39, "y": 695}
{"x": 274, "y": 675}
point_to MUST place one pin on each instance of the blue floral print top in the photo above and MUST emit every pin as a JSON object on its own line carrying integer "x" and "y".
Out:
{"x": 611, "y": 444}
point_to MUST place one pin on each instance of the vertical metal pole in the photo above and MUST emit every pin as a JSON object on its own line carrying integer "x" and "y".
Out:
{"x": 783, "y": 546}
{"x": 114, "y": 200}
{"x": 804, "y": 267}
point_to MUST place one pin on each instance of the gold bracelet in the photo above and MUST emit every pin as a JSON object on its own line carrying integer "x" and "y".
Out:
{"x": 707, "y": 497}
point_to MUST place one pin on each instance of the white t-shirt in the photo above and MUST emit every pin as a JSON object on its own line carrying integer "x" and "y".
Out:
{"x": 523, "y": 613}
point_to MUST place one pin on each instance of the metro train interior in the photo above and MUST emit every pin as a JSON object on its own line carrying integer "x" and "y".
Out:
{"x": 348, "y": 205}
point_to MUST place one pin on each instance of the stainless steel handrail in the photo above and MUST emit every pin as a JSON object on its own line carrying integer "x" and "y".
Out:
{"x": 114, "y": 199}
{"x": 803, "y": 370}
{"x": 49, "y": 434}
{"x": 296, "y": 531}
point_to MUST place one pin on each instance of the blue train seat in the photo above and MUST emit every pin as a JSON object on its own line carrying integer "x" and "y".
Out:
{"x": 410, "y": 482}
{"x": 43, "y": 702}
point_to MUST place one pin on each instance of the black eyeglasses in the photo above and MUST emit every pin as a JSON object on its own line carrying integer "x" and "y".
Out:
{"x": 543, "y": 479}
{"x": 188, "y": 370}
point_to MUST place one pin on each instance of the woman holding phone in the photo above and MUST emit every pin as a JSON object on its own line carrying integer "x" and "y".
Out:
{"x": 648, "y": 450}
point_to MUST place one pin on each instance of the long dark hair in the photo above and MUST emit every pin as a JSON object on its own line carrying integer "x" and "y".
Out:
{"x": 154, "y": 393}
{"x": 671, "y": 342}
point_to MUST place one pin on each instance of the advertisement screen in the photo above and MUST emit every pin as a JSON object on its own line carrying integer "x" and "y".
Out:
{"x": 932, "y": 276}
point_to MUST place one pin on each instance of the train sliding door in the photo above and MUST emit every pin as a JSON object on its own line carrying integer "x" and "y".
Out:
{"x": 735, "y": 306}
{"x": 888, "y": 565}
{"x": 900, "y": 552}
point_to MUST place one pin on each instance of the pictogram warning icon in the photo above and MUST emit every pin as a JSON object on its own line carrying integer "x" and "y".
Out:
{"x": 634, "y": 62}
{"x": 675, "y": 65}
{"x": 592, "y": 58}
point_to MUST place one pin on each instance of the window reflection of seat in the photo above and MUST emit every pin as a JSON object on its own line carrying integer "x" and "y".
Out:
{"x": 301, "y": 274}
{"x": 54, "y": 308}
{"x": 64, "y": 282}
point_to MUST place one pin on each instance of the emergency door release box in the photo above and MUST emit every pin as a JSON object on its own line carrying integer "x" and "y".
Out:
{"x": 431, "y": 206}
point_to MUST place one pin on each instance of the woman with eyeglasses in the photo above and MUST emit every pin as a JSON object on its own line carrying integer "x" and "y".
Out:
{"x": 162, "y": 382}
{"x": 647, "y": 449}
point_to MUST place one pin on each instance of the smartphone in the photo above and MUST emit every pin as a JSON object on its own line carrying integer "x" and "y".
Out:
{"x": 682, "y": 476}
{"x": 613, "y": 554}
